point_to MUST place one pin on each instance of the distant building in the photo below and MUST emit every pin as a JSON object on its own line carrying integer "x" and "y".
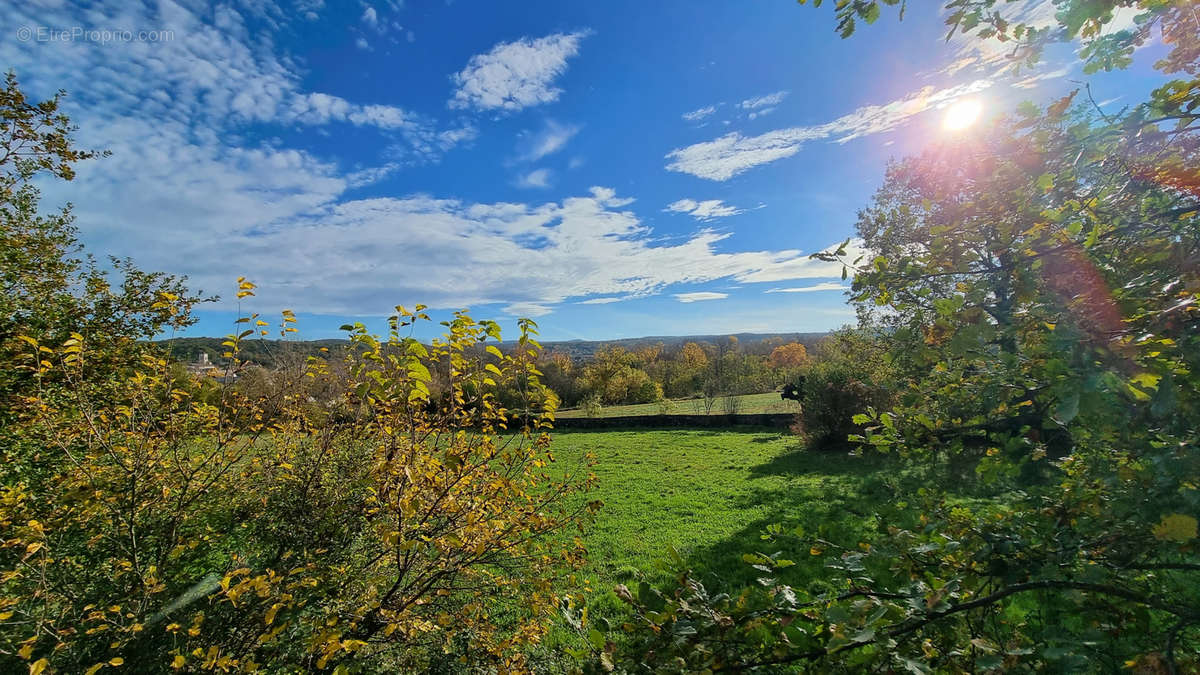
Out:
{"x": 204, "y": 367}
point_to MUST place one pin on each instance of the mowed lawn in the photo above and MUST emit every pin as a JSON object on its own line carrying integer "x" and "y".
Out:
{"x": 710, "y": 494}
{"x": 746, "y": 404}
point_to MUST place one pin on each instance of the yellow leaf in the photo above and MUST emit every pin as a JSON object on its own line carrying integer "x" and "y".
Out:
{"x": 178, "y": 661}
{"x": 116, "y": 661}
{"x": 38, "y": 666}
{"x": 93, "y": 669}
{"x": 1176, "y": 527}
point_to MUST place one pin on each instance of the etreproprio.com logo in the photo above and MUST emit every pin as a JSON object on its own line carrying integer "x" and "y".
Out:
{"x": 97, "y": 35}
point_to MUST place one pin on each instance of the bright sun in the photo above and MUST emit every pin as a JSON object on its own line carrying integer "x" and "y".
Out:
{"x": 962, "y": 114}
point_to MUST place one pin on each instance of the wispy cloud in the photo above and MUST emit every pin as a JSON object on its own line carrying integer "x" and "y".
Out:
{"x": 700, "y": 296}
{"x": 802, "y": 267}
{"x": 1035, "y": 80}
{"x": 371, "y": 18}
{"x": 725, "y": 157}
{"x": 538, "y": 178}
{"x": 705, "y": 210}
{"x": 516, "y": 75}
{"x": 552, "y": 137}
{"x": 761, "y": 112}
{"x": 527, "y": 309}
{"x": 601, "y": 301}
{"x": 699, "y": 113}
{"x": 763, "y": 101}
{"x": 823, "y": 286}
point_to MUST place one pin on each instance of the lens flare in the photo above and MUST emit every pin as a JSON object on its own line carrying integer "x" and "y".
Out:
{"x": 962, "y": 114}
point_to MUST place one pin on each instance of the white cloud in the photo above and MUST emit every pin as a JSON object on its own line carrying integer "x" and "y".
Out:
{"x": 700, "y": 113}
{"x": 370, "y": 175}
{"x": 705, "y": 210}
{"x": 362, "y": 44}
{"x": 527, "y": 309}
{"x": 700, "y": 296}
{"x": 200, "y": 90}
{"x": 538, "y": 178}
{"x": 310, "y": 9}
{"x": 823, "y": 286}
{"x": 284, "y": 221}
{"x": 371, "y": 18}
{"x": 761, "y": 113}
{"x": 515, "y": 75}
{"x": 601, "y": 301}
{"x": 553, "y": 137}
{"x": 802, "y": 267}
{"x": 1034, "y": 80}
{"x": 725, "y": 157}
{"x": 763, "y": 101}
{"x": 189, "y": 191}
{"x": 453, "y": 137}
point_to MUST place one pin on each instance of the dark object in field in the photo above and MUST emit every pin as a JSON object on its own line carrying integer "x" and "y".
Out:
{"x": 793, "y": 392}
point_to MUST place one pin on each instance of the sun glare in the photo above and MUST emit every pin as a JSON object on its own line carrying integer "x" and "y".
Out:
{"x": 962, "y": 114}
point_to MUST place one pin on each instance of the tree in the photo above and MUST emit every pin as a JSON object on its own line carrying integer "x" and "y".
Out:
{"x": 850, "y": 374}
{"x": 48, "y": 292}
{"x": 1039, "y": 288}
{"x": 791, "y": 357}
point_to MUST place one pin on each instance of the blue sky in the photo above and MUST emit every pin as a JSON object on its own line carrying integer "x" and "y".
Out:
{"x": 610, "y": 169}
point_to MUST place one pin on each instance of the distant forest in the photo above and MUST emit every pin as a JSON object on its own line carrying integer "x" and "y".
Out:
{"x": 269, "y": 353}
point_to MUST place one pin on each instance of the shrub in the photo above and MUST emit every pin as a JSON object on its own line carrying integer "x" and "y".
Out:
{"x": 592, "y": 406}
{"x": 848, "y": 377}
{"x": 178, "y": 533}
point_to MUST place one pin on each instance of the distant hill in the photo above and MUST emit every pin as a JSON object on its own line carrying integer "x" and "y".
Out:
{"x": 271, "y": 353}
{"x": 584, "y": 349}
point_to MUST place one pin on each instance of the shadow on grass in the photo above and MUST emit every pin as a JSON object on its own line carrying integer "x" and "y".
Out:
{"x": 800, "y": 461}
{"x": 831, "y": 495}
{"x": 720, "y": 566}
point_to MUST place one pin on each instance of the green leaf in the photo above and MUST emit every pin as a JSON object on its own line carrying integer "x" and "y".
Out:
{"x": 418, "y": 371}
{"x": 1067, "y": 409}
{"x": 596, "y": 638}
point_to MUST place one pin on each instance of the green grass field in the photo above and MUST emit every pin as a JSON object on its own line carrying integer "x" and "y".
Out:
{"x": 710, "y": 493}
{"x": 746, "y": 404}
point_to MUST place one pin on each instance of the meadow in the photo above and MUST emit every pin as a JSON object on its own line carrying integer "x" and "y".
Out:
{"x": 710, "y": 494}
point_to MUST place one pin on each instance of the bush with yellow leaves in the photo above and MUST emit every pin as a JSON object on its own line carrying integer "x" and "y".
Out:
{"x": 240, "y": 535}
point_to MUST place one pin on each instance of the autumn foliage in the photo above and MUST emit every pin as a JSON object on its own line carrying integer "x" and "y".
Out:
{"x": 154, "y": 522}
